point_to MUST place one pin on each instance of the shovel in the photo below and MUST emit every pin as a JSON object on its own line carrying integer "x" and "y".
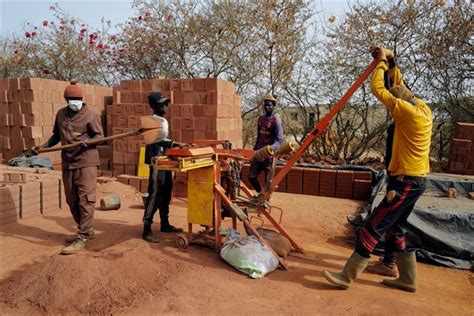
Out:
{"x": 153, "y": 129}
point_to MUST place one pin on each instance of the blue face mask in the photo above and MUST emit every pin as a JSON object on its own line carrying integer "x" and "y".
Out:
{"x": 75, "y": 105}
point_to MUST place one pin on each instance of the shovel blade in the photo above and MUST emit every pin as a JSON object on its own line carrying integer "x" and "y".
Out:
{"x": 156, "y": 128}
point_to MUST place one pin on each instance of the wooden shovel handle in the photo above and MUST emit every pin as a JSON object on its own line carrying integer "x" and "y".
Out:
{"x": 91, "y": 142}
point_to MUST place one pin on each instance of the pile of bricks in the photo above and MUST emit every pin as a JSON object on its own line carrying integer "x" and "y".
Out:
{"x": 27, "y": 192}
{"x": 461, "y": 151}
{"x": 139, "y": 183}
{"x": 200, "y": 109}
{"x": 27, "y": 110}
{"x": 345, "y": 184}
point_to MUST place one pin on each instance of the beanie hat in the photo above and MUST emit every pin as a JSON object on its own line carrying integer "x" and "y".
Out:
{"x": 73, "y": 91}
{"x": 157, "y": 98}
{"x": 402, "y": 92}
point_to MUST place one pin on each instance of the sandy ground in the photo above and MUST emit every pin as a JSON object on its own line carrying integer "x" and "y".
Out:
{"x": 121, "y": 274}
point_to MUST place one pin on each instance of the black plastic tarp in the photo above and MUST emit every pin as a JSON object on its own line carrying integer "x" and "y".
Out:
{"x": 440, "y": 228}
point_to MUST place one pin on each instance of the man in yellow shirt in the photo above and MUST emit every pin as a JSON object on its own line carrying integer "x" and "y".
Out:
{"x": 408, "y": 168}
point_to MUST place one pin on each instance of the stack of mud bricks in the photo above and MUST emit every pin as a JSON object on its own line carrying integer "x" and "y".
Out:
{"x": 28, "y": 107}
{"x": 461, "y": 151}
{"x": 200, "y": 109}
{"x": 28, "y": 192}
{"x": 347, "y": 184}
{"x": 139, "y": 183}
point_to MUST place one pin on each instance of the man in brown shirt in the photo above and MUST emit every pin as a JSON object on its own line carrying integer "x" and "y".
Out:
{"x": 77, "y": 123}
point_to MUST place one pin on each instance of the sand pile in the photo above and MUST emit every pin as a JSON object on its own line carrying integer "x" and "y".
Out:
{"x": 103, "y": 283}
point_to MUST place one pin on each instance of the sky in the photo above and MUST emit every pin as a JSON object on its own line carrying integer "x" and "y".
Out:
{"x": 16, "y": 13}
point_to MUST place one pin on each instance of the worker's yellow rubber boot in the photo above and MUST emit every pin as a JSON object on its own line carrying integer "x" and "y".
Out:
{"x": 406, "y": 263}
{"x": 353, "y": 268}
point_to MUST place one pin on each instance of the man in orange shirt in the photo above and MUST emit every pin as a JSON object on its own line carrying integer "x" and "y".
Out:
{"x": 408, "y": 168}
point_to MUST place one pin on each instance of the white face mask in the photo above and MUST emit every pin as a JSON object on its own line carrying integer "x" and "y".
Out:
{"x": 75, "y": 105}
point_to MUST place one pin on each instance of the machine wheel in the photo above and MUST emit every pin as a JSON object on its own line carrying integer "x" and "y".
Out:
{"x": 182, "y": 241}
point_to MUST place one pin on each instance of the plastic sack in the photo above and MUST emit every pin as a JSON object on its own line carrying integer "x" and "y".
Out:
{"x": 248, "y": 255}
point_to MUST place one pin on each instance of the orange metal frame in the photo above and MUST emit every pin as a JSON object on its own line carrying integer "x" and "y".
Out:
{"x": 319, "y": 129}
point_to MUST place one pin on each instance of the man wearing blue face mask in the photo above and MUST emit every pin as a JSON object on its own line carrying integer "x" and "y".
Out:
{"x": 78, "y": 123}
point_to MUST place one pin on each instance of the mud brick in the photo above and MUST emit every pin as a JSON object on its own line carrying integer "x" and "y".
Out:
{"x": 15, "y": 177}
{"x": 123, "y": 178}
{"x": 282, "y": 186}
{"x": 294, "y": 181}
{"x": 362, "y": 189}
{"x": 214, "y": 84}
{"x": 31, "y": 96}
{"x": 188, "y": 123}
{"x": 117, "y": 157}
{"x": 175, "y": 123}
{"x": 30, "y": 210}
{"x": 133, "y": 121}
{"x": 9, "y": 216}
{"x": 362, "y": 175}
{"x": 211, "y": 135}
{"x": 104, "y": 164}
{"x": 32, "y": 131}
{"x": 126, "y": 97}
{"x": 118, "y": 169}
{"x": 135, "y": 182}
{"x": 117, "y": 97}
{"x": 117, "y": 109}
{"x": 179, "y": 97}
{"x": 175, "y": 85}
{"x": 215, "y": 97}
{"x": 3, "y": 84}
{"x": 180, "y": 190}
{"x": 461, "y": 151}
{"x": 186, "y": 136}
{"x": 200, "y": 97}
{"x": 10, "y": 193}
{"x": 186, "y": 85}
{"x": 119, "y": 121}
{"x": 107, "y": 173}
{"x": 327, "y": 183}
{"x": 199, "y": 84}
{"x": 125, "y": 109}
{"x": 175, "y": 110}
{"x": 143, "y": 185}
{"x": 105, "y": 151}
{"x": 311, "y": 181}
{"x": 19, "y": 120}
{"x": 199, "y": 135}
{"x": 199, "y": 110}
{"x": 200, "y": 123}
{"x": 175, "y": 135}
{"x": 344, "y": 184}
{"x": 14, "y": 84}
{"x": 160, "y": 85}
{"x": 130, "y": 158}
{"x": 49, "y": 200}
{"x": 146, "y": 85}
{"x": 186, "y": 110}
{"x": 30, "y": 190}
{"x": 131, "y": 169}
{"x": 34, "y": 120}
{"x": 464, "y": 131}
{"x": 14, "y": 107}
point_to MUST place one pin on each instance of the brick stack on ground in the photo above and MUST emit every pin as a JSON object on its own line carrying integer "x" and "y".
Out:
{"x": 28, "y": 108}
{"x": 461, "y": 151}
{"x": 347, "y": 184}
{"x": 29, "y": 192}
{"x": 201, "y": 109}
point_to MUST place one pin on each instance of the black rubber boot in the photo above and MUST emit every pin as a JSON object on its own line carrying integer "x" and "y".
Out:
{"x": 148, "y": 234}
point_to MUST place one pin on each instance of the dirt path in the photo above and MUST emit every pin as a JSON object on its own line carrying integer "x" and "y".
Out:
{"x": 121, "y": 274}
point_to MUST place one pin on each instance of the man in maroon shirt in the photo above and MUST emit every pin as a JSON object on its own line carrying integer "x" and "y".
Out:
{"x": 269, "y": 132}
{"x": 77, "y": 123}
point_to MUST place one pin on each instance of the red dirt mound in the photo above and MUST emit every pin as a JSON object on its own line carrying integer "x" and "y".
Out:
{"x": 83, "y": 283}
